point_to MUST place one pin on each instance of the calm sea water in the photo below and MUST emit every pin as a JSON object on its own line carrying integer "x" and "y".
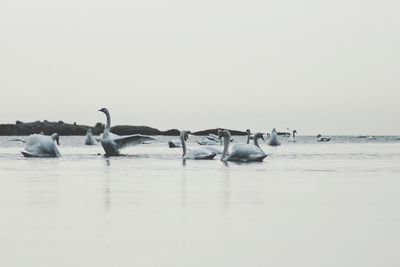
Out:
{"x": 308, "y": 204}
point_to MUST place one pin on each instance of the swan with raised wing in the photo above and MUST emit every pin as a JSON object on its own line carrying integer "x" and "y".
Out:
{"x": 242, "y": 152}
{"x": 198, "y": 153}
{"x": 39, "y": 145}
{"x": 113, "y": 143}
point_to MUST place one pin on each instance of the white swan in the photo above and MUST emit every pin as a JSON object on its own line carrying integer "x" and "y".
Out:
{"x": 208, "y": 141}
{"x": 113, "y": 143}
{"x": 199, "y": 153}
{"x": 89, "y": 138}
{"x": 242, "y": 152}
{"x": 294, "y": 135}
{"x": 214, "y": 149}
{"x": 39, "y": 145}
{"x": 249, "y": 136}
{"x": 273, "y": 141}
{"x": 323, "y": 138}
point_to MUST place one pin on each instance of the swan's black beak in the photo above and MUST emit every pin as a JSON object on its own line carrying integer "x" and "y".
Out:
{"x": 262, "y": 137}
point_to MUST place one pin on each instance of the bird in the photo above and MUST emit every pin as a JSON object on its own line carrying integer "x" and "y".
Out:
{"x": 112, "y": 143}
{"x": 89, "y": 138}
{"x": 39, "y": 145}
{"x": 208, "y": 141}
{"x": 273, "y": 141}
{"x": 323, "y": 138}
{"x": 249, "y": 136}
{"x": 242, "y": 152}
{"x": 294, "y": 135}
{"x": 196, "y": 154}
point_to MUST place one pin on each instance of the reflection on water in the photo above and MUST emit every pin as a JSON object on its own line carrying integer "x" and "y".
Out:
{"x": 308, "y": 204}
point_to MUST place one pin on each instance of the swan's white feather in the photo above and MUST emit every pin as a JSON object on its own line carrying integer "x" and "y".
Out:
{"x": 130, "y": 140}
{"x": 199, "y": 153}
{"x": 246, "y": 153}
{"x": 38, "y": 145}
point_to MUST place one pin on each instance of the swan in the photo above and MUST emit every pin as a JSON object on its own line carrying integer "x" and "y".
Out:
{"x": 199, "y": 153}
{"x": 113, "y": 143}
{"x": 323, "y": 138}
{"x": 274, "y": 138}
{"x": 89, "y": 138}
{"x": 249, "y": 136}
{"x": 242, "y": 152}
{"x": 208, "y": 141}
{"x": 38, "y": 145}
{"x": 294, "y": 135}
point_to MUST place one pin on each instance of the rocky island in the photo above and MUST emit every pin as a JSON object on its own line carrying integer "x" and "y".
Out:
{"x": 62, "y": 128}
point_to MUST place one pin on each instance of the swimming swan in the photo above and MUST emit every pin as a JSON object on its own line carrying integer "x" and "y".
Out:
{"x": 199, "y": 153}
{"x": 294, "y": 135}
{"x": 89, "y": 141}
{"x": 241, "y": 152}
{"x": 274, "y": 138}
{"x": 113, "y": 143}
{"x": 38, "y": 145}
{"x": 323, "y": 138}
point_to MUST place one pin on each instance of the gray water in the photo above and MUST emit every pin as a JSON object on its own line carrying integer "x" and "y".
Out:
{"x": 308, "y": 204}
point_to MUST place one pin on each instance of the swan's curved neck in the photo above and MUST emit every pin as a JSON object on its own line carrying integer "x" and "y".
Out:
{"x": 248, "y": 138}
{"x": 256, "y": 141}
{"x": 294, "y": 134}
{"x": 108, "y": 124}
{"x": 227, "y": 140}
{"x": 183, "y": 143}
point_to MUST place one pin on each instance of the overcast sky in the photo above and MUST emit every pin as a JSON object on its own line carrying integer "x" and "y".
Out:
{"x": 317, "y": 66}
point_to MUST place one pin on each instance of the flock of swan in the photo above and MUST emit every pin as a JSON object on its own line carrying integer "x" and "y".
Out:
{"x": 40, "y": 145}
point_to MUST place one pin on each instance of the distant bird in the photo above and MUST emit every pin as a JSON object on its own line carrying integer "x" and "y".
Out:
{"x": 249, "y": 136}
{"x": 323, "y": 138}
{"x": 274, "y": 141}
{"x": 196, "y": 154}
{"x": 89, "y": 141}
{"x": 294, "y": 135}
{"x": 38, "y": 145}
{"x": 113, "y": 143}
{"x": 208, "y": 141}
{"x": 241, "y": 152}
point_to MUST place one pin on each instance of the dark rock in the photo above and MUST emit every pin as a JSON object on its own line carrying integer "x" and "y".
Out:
{"x": 215, "y": 131}
{"x": 62, "y": 128}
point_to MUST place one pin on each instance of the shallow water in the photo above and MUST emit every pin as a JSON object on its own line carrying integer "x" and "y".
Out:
{"x": 307, "y": 204}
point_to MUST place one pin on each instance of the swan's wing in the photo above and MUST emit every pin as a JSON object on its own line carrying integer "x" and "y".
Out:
{"x": 214, "y": 149}
{"x": 199, "y": 153}
{"x": 131, "y": 140}
{"x": 17, "y": 140}
{"x": 246, "y": 153}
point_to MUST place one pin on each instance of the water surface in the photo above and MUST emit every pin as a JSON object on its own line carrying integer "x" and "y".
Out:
{"x": 307, "y": 204}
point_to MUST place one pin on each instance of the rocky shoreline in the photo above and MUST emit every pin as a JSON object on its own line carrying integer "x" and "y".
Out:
{"x": 47, "y": 127}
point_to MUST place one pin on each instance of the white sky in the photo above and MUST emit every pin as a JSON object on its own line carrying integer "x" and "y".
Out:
{"x": 317, "y": 66}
